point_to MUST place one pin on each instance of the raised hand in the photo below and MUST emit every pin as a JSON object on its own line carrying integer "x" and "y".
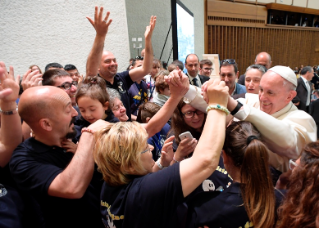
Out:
{"x": 217, "y": 93}
{"x": 31, "y": 79}
{"x": 100, "y": 23}
{"x": 9, "y": 86}
{"x": 150, "y": 28}
{"x": 178, "y": 83}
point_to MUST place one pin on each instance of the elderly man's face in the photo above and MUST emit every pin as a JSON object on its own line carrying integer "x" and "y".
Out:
{"x": 273, "y": 95}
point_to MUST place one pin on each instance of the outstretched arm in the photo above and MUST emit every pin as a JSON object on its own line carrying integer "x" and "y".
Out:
{"x": 101, "y": 25}
{"x": 138, "y": 73}
{"x": 10, "y": 132}
{"x": 178, "y": 85}
{"x": 207, "y": 152}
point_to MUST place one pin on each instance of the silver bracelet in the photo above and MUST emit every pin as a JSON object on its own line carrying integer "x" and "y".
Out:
{"x": 159, "y": 164}
{"x": 11, "y": 112}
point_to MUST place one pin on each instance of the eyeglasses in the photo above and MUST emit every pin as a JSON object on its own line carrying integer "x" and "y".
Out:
{"x": 139, "y": 57}
{"x": 148, "y": 149}
{"x": 68, "y": 85}
{"x": 230, "y": 61}
{"x": 292, "y": 164}
{"x": 208, "y": 69}
{"x": 190, "y": 114}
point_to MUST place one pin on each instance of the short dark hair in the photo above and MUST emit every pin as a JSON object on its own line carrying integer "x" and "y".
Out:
{"x": 69, "y": 67}
{"x": 305, "y": 70}
{"x": 55, "y": 65}
{"x": 205, "y": 62}
{"x": 226, "y": 63}
{"x": 178, "y": 63}
{"x": 189, "y": 55}
{"x": 50, "y": 75}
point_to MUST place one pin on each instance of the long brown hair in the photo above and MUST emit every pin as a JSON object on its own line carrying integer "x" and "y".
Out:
{"x": 256, "y": 185}
{"x": 300, "y": 207}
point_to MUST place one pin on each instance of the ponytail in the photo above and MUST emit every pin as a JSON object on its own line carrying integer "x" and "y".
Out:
{"x": 256, "y": 185}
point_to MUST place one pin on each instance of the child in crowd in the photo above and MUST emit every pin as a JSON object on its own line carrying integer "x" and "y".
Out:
{"x": 162, "y": 88}
{"x": 93, "y": 102}
{"x": 145, "y": 112}
{"x": 149, "y": 79}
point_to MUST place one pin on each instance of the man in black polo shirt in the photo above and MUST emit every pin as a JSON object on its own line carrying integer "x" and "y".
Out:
{"x": 104, "y": 63}
{"x": 65, "y": 185}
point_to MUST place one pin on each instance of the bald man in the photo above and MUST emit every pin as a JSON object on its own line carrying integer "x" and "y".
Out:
{"x": 262, "y": 58}
{"x": 284, "y": 129}
{"x": 104, "y": 62}
{"x": 64, "y": 184}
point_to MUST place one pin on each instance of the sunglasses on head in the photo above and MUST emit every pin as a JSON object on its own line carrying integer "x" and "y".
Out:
{"x": 230, "y": 61}
{"x": 139, "y": 57}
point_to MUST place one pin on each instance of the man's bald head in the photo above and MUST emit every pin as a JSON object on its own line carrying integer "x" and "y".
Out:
{"x": 40, "y": 102}
{"x": 264, "y": 59}
{"x": 108, "y": 66}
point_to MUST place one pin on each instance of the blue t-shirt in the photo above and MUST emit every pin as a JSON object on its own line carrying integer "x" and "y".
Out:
{"x": 158, "y": 140}
{"x": 138, "y": 95}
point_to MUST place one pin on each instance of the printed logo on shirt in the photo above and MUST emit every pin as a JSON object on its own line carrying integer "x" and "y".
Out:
{"x": 120, "y": 87}
{"x": 208, "y": 186}
{"x": 3, "y": 190}
{"x": 111, "y": 217}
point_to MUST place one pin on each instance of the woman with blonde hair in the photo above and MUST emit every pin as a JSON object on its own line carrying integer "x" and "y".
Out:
{"x": 131, "y": 195}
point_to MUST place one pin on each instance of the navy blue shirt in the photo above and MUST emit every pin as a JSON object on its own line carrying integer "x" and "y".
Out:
{"x": 224, "y": 210}
{"x": 122, "y": 83}
{"x": 81, "y": 123}
{"x": 158, "y": 140}
{"x": 147, "y": 201}
{"x": 34, "y": 166}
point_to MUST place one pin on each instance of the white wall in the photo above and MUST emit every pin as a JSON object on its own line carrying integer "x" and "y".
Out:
{"x": 40, "y": 32}
{"x": 139, "y": 12}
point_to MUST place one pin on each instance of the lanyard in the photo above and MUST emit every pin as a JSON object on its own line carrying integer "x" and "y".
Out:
{"x": 157, "y": 141}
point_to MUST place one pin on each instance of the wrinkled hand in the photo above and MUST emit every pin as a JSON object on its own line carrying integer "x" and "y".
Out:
{"x": 69, "y": 146}
{"x": 31, "y": 79}
{"x": 167, "y": 152}
{"x": 217, "y": 93}
{"x": 150, "y": 28}
{"x": 185, "y": 147}
{"x": 178, "y": 83}
{"x": 9, "y": 87}
{"x": 100, "y": 23}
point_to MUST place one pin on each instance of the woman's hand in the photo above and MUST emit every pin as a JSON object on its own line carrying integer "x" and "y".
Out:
{"x": 185, "y": 147}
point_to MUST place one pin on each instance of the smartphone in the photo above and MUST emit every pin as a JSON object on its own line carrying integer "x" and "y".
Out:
{"x": 185, "y": 135}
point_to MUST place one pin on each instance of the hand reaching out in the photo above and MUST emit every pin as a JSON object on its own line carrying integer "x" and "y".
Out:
{"x": 69, "y": 146}
{"x": 9, "y": 87}
{"x": 101, "y": 24}
{"x": 31, "y": 79}
{"x": 167, "y": 152}
{"x": 150, "y": 28}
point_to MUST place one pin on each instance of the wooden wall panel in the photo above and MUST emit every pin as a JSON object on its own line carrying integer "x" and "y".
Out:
{"x": 287, "y": 47}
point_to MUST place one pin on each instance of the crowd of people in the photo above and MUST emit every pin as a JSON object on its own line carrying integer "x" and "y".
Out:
{"x": 105, "y": 149}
